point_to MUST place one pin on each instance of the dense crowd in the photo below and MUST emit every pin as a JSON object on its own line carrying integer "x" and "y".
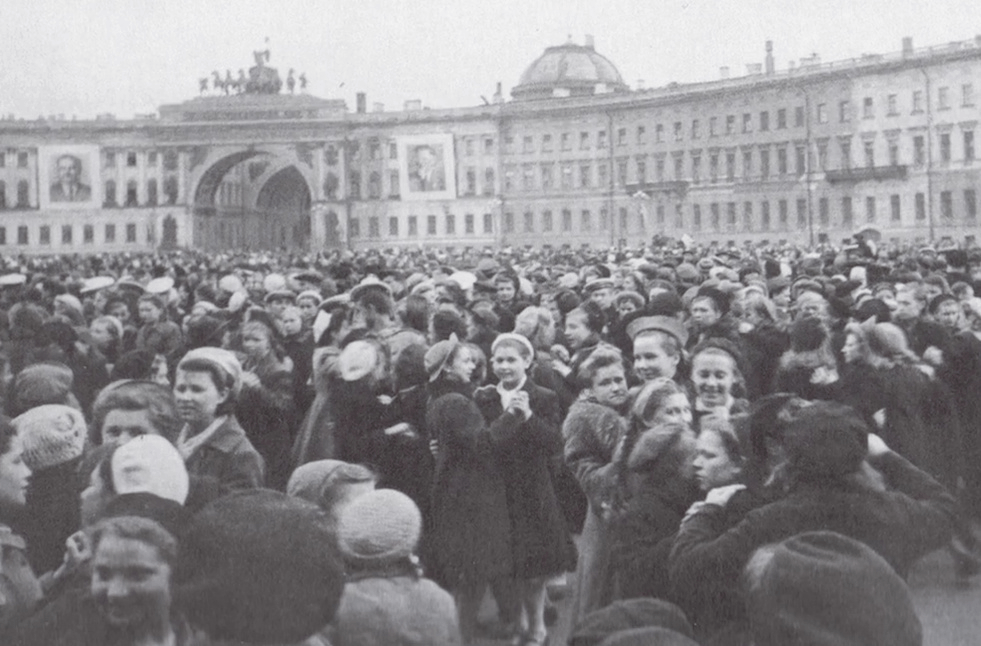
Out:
{"x": 694, "y": 445}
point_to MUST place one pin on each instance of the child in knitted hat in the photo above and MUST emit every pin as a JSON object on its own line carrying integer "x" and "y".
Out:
{"x": 386, "y": 599}
{"x": 53, "y": 436}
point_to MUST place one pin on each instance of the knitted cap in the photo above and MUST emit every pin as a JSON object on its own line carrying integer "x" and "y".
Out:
{"x": 824, "y": 588}
{"x": 52, "y": 434}
{"x": 259, "y": 567}
{"x": 150, "y": 464}
{"x": 379, "y": 528}
{"x": 226, "y": 362}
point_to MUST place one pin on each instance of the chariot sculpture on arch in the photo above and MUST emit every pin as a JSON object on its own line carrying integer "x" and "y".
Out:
{"x": 261, "y": 79}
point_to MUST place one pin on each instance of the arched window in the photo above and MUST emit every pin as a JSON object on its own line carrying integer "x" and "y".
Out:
{"x": 110, "y": 199}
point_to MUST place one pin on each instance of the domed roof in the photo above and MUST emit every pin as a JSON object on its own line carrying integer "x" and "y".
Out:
{"x": 571, "y": 69}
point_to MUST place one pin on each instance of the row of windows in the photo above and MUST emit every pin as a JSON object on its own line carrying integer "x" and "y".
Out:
{"x": 432, "y": 228}
{"x": 130, "y": 159}
{"x": 471, "y": 146}
{"x": 747, "y": 164}
{"x": 22, "y": 158}
{"x": 661, "y": 133}
{"x": 743, "y": 216}
{"x": 733, "y": 215}
{"x": 589, "y": 222}
{"x": 374, "y": 189}
{"x": 132, "y": 193}
{"x": 23, "y": 236}
{"x": 131, "y": 197}
{"x": 917, "y": 104}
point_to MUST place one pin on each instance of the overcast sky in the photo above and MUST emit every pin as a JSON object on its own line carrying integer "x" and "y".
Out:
{"x": 84, "y": 57}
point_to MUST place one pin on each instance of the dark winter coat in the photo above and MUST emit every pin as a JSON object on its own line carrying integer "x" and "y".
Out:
{"x": 360, "y": 421}
{"x": 540, "y": 541}
{"x": 921, "y": 422}
{"x": 643, "y": 534}
{"x": 962, "y": 374}
{"x": 904, "y": 523}
{"x": 469, "y": 542}
{"x": 592, "y": 432}
{"x": 762, "y": 348}
{"x": 268, "y": 416}
{"x": 230, "y": 457}
{"x": 51, "y": 515}
{"x": 163, "y": 337}
{"x": 299, "y": 348}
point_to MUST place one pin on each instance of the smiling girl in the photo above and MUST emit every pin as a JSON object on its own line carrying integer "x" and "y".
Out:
{"x": 529, "y": 417}
{"x": 717, "y": 379}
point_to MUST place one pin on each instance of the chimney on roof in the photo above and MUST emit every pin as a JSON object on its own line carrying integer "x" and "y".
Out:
{"x": 907, "y": 46}
{"x": 499, "y": 94}
{"x": 724, "y": 72}
{"x": 769, "y": 57}
{"x": 362, "y": 103}
{"x": 590, "y": 44}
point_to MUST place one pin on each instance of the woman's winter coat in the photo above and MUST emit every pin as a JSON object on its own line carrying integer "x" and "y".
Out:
{"x": 469, "y": 542}
{"x": 540, "y": 542}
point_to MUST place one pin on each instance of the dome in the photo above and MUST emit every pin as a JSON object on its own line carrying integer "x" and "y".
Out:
{"x": 569, "y": 70}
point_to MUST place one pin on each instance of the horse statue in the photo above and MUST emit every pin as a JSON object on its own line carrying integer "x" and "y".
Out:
{"x": 303, "y": 81}
{"x": 242, "y": 82}
{"x": 202, "y": 85}
{"x": 290, "y": 81}
{"x": 261, "y": 57}
{"x": 216, "y": 81}
{"x": 229, "y": 84}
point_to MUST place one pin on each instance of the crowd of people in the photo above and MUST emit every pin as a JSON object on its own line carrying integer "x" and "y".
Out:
{"x": 694, "y": 445}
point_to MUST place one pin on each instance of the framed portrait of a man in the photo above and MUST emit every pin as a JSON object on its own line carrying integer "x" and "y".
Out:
{"x": 427, "y": 168}
{"x": 69, "y": 176}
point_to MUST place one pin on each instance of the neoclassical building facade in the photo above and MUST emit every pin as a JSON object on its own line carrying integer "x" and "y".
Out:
{"x": 814, "y": 152}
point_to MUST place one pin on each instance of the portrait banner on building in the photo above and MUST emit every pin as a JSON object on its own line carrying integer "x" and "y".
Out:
{"x": 427, "y": 169}
{"x": 68, "y": 177}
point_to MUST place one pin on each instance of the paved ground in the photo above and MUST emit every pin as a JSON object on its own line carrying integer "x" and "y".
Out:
{"x": 950, "y": 611}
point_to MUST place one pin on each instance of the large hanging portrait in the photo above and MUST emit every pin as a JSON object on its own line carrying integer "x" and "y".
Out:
{"x": 68, "y": 176}
{"x": 427, "y": 169}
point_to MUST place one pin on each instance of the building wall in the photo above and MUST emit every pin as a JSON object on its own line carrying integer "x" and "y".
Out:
{"x": 816, "y": 153}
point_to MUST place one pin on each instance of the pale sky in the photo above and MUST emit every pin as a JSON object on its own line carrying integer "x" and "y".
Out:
{"x": 85, "y": 57}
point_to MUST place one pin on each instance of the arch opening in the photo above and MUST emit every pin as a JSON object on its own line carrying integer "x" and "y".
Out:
{"x": 252, "y": 200}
